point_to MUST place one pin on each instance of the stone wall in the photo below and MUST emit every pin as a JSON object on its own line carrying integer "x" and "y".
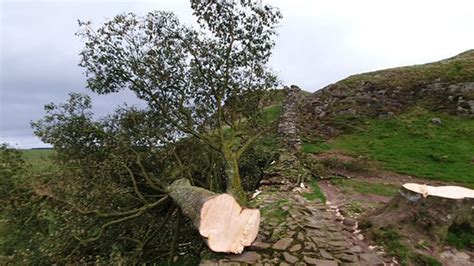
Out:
{"x": 328, "y": 110}
{"x": 288, "y": 124}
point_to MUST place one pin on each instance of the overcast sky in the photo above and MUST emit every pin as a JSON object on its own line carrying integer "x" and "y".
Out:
{"x": 319, "y": 42}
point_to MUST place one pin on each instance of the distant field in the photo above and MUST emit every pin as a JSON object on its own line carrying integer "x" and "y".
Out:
{"x": 39, "y": 159}
{"x": 411, "y": 144}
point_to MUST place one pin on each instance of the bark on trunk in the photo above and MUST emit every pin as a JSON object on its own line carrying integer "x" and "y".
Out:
{"x": 427, "y": 209}
{"x": 234, "y": 184}
{"x": 225, "y": 226}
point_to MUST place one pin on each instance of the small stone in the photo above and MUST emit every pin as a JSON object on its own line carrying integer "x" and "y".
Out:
{"x": 249, "y": 257}
{"x": 209, "y": 263}
{"x": 259, "y": 245}
{"x": 325, "y": 254}
{"x": 355, "y": 249}
{"x": 300, "y": 236}
{"x": 300, "y": 264}
{"x": 290, "y": 258}
{"x": 309, "y": 246}
{"x": 347, "y": 258}
{"x": 337, "y": 243}
{"x": 295, "y": 248}
{"x": 349, "y": 222}
{"x": 371, "y": 259}
{"x": 436, "y": 121}
{"x": 283, "y": 243}
{"x": 318, "y": 240}
{"x": 313, "y": 225}
{"x": 462, "y": 255}
{"x": 319, "y": 262}
{"x": 290, "y": 233}
{"x": 283, "y": 264}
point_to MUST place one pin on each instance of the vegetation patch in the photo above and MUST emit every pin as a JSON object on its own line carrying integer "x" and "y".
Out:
{"x": 461, "y": 236}
{"x": 39, "y": 159}
{"x": 316, "y": 194}
{"x": 392, "y": 243}
{"x": 315, "y": 148}
{"x": 412, "y": 144}
{"x": 365, "y": 187}
{"x": 275, "y": 211}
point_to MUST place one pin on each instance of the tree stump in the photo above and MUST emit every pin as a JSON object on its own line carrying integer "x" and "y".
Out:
{"x": 225, "y": 226}
{"x": 426, "y": 209}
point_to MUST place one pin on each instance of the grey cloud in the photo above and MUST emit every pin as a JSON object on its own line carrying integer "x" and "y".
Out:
{"x": 319, "y": 43}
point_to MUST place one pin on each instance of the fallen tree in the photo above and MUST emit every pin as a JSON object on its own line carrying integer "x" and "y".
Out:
{"x": 225, "y": 226}
{"x": 427, "y": 209}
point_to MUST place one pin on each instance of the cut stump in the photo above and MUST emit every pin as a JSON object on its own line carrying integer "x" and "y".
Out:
{"x": 427, "y": 209}
{"x": 225, "y": 226}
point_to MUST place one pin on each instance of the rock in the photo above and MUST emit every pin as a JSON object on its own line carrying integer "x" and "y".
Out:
{"x": 249, "y": 257}
{"x": 259, "y": 245}
{"x": 347, "y": 258}
{"x": 283, "y": 243}
{"x": 462, "y": 255}
{"x": 309, "y": 246}
{"x": 290, "y": 258}
{"x": 436, "y": 121}
{"x": 300, "y": 236}
{"x": 295, "y": 248}
{"x": 355, "y": 249}
{"x": 325, "y": 254}
{"x": 313, "y": 225}
{"x": 349, "y": 222}
{"x": 318, "y": 262}
{"x": 208, "y": 263}
{"x": 326, "y": 263}
{"x": 370, "y": 259}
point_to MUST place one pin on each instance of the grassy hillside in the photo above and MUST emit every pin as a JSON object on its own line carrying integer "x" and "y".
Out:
{"x": 459, "y": 68}
{"x": 446, "y": 86}
{"x": 413, "y": 145}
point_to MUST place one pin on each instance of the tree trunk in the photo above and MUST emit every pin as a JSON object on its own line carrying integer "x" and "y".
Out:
{"x": 225, "y": 226}
{"x": 427, "y": 209}
{"x": 234, "y": 184}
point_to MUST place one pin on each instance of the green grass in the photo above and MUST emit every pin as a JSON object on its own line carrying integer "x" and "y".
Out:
{"x": 411, "y": 144}
{"x": 40, "y": 160}
{"x": 456, "y": 69}
{"x": 391, "y": 241}
{"x": 314, "y": 148}
{"x": 275, "y": 211}
{"x": 272, "y": 112}
{"x": 366, "y": 188}
{"x": 316, "y": 194}
{"x": 460, "y": 236}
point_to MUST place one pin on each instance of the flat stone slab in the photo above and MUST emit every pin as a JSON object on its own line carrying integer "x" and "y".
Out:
{"x": 326, "y": 254}
{"x": 319, "y": 262}
{"x": 283, "y": 243}
{"x": 249, "y": 257}
{"x": 290, "y": 258}
{"x": 295, "y": 248}
{"x": 371, "y": 259}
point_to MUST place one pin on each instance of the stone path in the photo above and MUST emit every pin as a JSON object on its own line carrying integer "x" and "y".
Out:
{"x": 295, "y": 231}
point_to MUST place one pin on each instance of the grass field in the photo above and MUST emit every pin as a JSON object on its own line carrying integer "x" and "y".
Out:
{"x": 39, "y": 160}
{"x": 411, "y": 144}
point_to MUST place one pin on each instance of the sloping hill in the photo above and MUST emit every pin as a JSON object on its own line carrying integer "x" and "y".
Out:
{"x": 445, "y": 86}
